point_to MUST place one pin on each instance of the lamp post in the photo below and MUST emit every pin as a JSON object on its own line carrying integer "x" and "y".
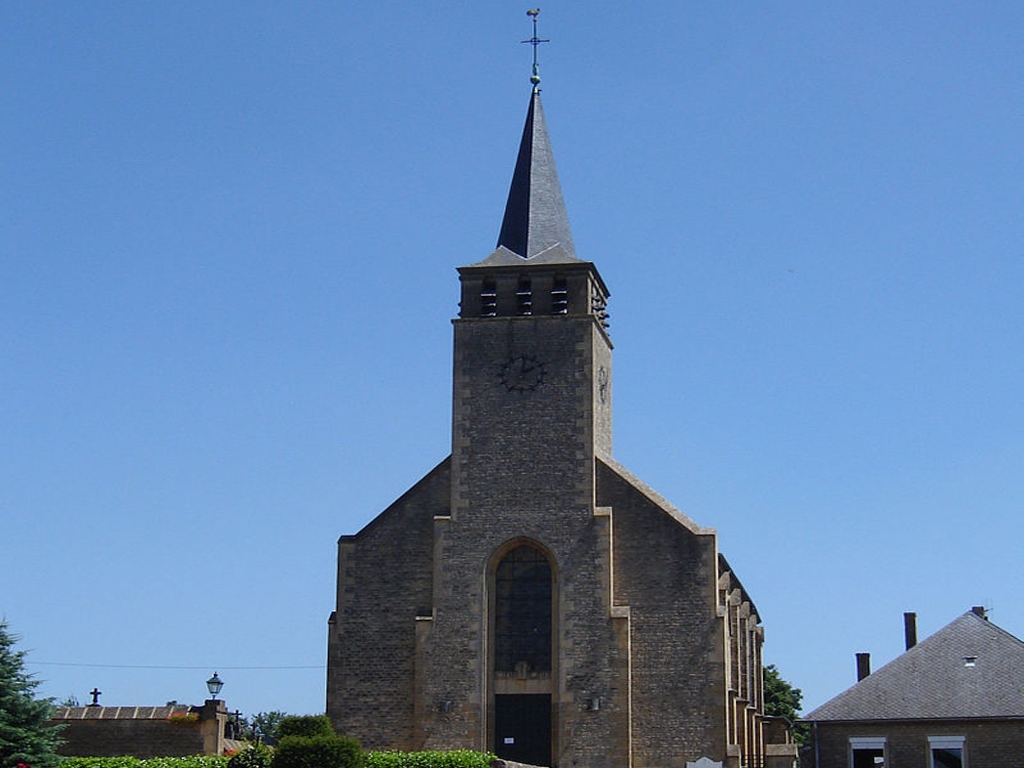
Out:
{"x": 213, "y": 685}
{"x": 214, "y": 718}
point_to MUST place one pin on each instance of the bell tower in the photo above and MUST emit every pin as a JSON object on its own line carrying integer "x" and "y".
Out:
{"x": 519, "y": 586}
{"x": 532, "y": 349}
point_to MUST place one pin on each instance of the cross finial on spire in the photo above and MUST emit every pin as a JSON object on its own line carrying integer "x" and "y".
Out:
{"x": 535, "y": 41}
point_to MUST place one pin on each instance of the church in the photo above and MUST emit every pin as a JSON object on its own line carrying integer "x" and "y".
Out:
{"x": 529, "y": 596}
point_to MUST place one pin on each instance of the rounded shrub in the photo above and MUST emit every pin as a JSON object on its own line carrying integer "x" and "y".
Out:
{"x": 304, "y": 725}
{"x": 330, "y": 751}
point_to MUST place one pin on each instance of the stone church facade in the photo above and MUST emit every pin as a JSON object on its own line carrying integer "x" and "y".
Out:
{"x": 529, "y": 596}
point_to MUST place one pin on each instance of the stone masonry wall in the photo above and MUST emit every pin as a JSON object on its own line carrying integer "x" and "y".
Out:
{"x": 384, "y": 584}
{"x": 666, "y": 573}
{"x": 989, "y": 743}
{"x": 522, "y": 468}
{"x": 134, "y": 731}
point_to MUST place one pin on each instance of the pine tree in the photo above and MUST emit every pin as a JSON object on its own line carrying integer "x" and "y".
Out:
{"x": 25, "y": 739}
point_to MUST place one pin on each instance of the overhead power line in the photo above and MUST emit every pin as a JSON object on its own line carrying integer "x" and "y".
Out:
{"x": 166, "y": 666}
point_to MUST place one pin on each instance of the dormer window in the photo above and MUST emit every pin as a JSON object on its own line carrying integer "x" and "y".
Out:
{"x": 524, "y": 297}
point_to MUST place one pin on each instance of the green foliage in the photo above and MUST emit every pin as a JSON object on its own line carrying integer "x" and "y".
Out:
{"x": 330, "y": 751}
{"x": 193, "y": 761}
{"x": 24, "y": 735}
{"x": 459, "y": 758}
{"x": 256, "y": 756}
{"x": 304, "y": 725}
{"x": 783, "y": 700}
{"x": 265, "y": 725}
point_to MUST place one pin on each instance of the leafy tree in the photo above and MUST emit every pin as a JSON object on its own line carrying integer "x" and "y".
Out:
{"x": 783, "y": 700}
{"x": 24, "y": 736}
{"x": 265, "y": 725}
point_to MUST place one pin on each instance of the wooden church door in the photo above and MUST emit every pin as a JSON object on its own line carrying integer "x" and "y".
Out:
{"x": 522, "y": 728}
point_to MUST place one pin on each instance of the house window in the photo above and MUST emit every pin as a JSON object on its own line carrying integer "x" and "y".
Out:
{"x": 867, "y": 752}
{"x": 522, "y": 621}
{"x": 946, "y": 752}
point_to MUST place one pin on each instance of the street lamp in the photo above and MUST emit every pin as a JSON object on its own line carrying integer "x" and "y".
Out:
{"x": 213, "y": 685}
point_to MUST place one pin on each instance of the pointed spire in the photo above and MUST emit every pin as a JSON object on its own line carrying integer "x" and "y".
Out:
{"x": 535, "y": 217}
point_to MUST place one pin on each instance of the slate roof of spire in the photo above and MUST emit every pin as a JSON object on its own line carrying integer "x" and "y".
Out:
{"x": 935, "y": 679}
{"x": 535, "y": 220}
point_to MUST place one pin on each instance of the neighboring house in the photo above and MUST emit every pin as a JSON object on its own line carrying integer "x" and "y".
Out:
{"x": 955, "y": 700}
{"x": 169, "y": 731}
{"x": 529, "y": 596}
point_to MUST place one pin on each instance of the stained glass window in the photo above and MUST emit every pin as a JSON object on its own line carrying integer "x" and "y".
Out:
{"x": 522, "y": 624}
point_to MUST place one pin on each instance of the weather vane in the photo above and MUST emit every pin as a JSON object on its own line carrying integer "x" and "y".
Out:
{"x": 535, "y": 41}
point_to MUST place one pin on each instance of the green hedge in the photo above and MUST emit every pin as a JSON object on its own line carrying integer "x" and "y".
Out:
{"x": 195, "y": 761}
{"x": 454, "y": 759}
{"x": 331, "y": 751}
{"x": 458, "y": 758}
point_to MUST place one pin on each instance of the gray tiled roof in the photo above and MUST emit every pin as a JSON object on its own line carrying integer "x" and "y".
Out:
{"x": 933, "y": 680}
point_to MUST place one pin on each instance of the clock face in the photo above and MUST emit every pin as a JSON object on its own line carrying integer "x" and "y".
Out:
{"x": 522, "y": 373}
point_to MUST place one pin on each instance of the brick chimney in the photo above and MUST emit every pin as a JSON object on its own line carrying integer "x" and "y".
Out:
{"x": 910, "y": 629}
{"x": 863, "y": 665}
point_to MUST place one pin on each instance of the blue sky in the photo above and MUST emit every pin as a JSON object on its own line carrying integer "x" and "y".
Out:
{"x": 228, "y": 234}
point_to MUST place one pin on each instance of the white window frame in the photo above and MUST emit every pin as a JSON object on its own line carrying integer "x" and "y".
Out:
{"x": 947, "y": 742}
{"x": 869, "y": 742}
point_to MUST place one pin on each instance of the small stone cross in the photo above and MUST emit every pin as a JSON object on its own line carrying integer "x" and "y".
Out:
{"x": 95, "y": 693}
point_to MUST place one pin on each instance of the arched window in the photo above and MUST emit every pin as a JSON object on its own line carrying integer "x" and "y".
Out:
{"x": 522, "y": 621}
